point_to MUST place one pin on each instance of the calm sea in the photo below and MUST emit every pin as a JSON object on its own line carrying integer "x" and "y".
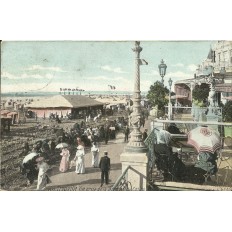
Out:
{"x": 38, "y": 94}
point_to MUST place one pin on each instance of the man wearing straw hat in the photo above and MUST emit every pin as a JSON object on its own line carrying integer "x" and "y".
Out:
{"x": 104, "y": 165}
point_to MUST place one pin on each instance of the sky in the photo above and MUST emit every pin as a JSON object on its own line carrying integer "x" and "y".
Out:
{"x": 93, "y": 65}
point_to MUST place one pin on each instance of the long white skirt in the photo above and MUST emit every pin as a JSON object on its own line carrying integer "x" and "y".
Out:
{"x": 95, "y": 157}
{"x": 80, "y": 166}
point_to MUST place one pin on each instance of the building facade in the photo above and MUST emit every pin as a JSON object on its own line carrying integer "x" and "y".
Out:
{"x": 215, "y": 70}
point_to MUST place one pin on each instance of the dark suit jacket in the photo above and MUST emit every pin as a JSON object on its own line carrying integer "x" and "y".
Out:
{"x": 104, "y": 164}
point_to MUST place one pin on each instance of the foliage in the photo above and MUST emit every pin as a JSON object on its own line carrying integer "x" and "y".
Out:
{"x": 227, "y": 112}
{"x": 157, "y": 95}
{"x": 200, "y": 94}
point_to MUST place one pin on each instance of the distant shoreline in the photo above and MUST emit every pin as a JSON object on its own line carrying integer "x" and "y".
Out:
{"x": 87, "y": 93}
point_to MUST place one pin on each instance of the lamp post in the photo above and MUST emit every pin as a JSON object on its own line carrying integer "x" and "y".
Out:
{"x": 136, "y": 154}
{"x": 162, "y": 70}
{"x": 136, "y": 143}
{"x": 170, "y": 104}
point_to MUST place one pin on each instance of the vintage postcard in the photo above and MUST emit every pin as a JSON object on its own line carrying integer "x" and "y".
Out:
{"x": 116, "y": 116}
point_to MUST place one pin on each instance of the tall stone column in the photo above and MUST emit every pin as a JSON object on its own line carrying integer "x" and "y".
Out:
{"x": 136, "y": 143}
{"x": 135, "y": 154}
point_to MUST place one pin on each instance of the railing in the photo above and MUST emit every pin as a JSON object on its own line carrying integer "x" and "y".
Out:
{"x": 179, "y": 109}
{"x": 196, "y": 112}
{"x": 149, "y": 142}
{"x": 122, "y": 183}
{"x": 192, "y": 122}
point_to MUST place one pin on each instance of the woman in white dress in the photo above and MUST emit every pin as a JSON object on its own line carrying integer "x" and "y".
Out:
{"x": 80, "y": 160}
{"x": 95, "y": 155}
{"x": 43, "y": 178}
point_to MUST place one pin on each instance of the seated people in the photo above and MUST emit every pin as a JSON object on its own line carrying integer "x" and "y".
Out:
{"x": 173, "y": 129}
{"x": 167, "y": 162}
{"x": 205, "y": 165}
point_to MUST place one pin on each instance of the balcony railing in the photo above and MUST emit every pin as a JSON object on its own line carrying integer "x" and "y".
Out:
{"x": 196, "y": 112}
{"x": 122, "y": 183}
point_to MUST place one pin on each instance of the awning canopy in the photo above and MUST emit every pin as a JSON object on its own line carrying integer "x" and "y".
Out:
{"x": 226, "y": 88}
{"x": 228, "y": 98}
{"x": 178, "y": 96}
{"x": 4, "y": 112}
{"x": 12, "y": 113}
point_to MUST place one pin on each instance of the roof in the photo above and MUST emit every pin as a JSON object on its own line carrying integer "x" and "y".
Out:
{"x": 64, "y": 101}
{"x": 112, "y": 100}
{"x": 81, "y": 101}
{"x": 185, "y": 81}
{"x": 225, "y": 87}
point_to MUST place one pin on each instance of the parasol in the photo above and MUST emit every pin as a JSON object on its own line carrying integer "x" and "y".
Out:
{"x": 62, "y": 145}
{"x": 29, "y": 157}
{"x": 204, "y": 139}
{"x": 12, "y": 113}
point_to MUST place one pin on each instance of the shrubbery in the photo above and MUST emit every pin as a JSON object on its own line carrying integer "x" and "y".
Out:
{"x": 227, "y": 112}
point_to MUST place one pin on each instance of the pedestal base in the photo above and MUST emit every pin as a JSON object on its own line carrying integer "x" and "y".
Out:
{"x": 137, "y": 174}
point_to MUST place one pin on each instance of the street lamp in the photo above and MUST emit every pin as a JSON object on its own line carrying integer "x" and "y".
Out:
{"x": 136, "y": 142}
{"x": 162, "y": 70}
{"x": 170, "y": 104}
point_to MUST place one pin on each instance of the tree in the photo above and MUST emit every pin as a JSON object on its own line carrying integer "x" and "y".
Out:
{"x": 157, "y": 95}
{"x": 227, "y": 112}
{"x": 200, "y": 94}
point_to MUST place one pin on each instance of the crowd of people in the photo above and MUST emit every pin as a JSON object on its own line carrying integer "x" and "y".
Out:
{"x": 76, "y": 141}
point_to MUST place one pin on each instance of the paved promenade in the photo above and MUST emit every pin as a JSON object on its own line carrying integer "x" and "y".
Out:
{"x": 91, "y": 180}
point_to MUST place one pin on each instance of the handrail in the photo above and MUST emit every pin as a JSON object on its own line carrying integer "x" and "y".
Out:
{"x": 194, "y": 122}
{"x": 120, "y": 179}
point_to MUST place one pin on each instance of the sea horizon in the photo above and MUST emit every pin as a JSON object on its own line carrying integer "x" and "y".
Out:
{"x": 38, "y": 94}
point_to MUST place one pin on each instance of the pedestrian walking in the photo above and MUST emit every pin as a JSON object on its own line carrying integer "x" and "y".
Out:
{"x": 104, "y": 165}
{"x": 26, "y": 147}
{"x": 106, "y": 134}
{"x": 144, "y": 134}
{"x": 126, "y": 134}
{"x": 80, "y": 160}
{"x": 80, "y": 142}
{"x": 64, "y": 163}
{"x": 43, "y": 178}
{"x": 95, "y": 155}
{"x": 52, "y": 147}
{"x": 142, "y": 121}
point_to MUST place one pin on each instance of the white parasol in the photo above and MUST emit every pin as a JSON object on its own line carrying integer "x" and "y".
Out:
{"x": 29, "y": 157}
{"x": 62, "y": 145}
{"x": 204, "y": 139}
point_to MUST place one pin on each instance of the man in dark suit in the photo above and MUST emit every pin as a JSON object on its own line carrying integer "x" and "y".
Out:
{"x": 144, "y": 134}
{"x": 104, "y": 165}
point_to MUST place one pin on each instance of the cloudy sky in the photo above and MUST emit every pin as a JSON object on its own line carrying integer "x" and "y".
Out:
{"x": 49, "y": 66}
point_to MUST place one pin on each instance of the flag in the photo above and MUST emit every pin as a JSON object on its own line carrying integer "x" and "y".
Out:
{"x": 143, "y": 62}
{"x": 112, "y": 87}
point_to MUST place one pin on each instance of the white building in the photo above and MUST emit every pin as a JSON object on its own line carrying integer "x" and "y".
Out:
{"x": 217, "y": 67}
